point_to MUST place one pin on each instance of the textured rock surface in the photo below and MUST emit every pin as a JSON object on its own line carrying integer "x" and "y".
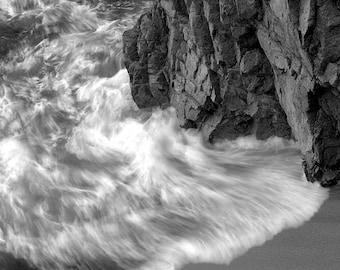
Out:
{"x": 209, "y": 66}
{"x": 301, "y": 41}
{"x": 242, "y": 67}
{"x": 145, "y": 48}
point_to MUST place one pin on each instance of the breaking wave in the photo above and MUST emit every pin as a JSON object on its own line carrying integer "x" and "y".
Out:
{"x": 88, "y": 180}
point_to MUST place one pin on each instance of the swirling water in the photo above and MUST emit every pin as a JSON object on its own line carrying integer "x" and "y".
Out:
{"x": 88, "y": 180}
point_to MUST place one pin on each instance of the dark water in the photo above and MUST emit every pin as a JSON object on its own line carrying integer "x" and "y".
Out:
{"x": 89, "y": 181}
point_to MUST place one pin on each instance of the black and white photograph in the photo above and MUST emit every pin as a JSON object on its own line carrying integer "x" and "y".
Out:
{"x": 169, "y": 134}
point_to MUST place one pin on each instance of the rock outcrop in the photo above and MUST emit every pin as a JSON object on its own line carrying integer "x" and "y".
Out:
{"x": 204, "y": 59}
{"x": 239, "y": 67}
{"x": 301, "y": 41}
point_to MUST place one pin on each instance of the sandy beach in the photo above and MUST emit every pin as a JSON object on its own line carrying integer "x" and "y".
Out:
{"x": 313, "y": 246}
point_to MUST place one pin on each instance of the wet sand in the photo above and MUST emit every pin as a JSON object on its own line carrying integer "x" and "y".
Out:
{"x": 313, "y": 246}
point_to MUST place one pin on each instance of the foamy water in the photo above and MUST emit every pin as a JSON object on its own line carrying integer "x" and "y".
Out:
{"x": 89, "y": 180}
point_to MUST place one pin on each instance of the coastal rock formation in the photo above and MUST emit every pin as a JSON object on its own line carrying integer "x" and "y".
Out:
{"x": 208, "y": 65}
{"x": 146, "y": 56}
{"x": 240, "y": 67}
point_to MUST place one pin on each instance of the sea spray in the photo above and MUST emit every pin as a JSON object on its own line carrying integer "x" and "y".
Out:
{"x": 89, "y": 180}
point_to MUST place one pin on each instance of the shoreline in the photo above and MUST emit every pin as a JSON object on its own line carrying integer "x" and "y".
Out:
{"x": 312, "y": 246}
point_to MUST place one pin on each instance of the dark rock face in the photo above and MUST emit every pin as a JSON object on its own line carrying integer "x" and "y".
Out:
{"x": 300, "y": 39}
{"x": 233, "y": 68}
{"x": 204, "y": 58}
{"x": 145, "y": 49}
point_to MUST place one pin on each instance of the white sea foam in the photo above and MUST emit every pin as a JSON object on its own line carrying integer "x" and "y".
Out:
{"x": 86, "y": 178}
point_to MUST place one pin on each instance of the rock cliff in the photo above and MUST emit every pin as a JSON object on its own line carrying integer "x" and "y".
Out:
{"x": 239, "y": 67}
